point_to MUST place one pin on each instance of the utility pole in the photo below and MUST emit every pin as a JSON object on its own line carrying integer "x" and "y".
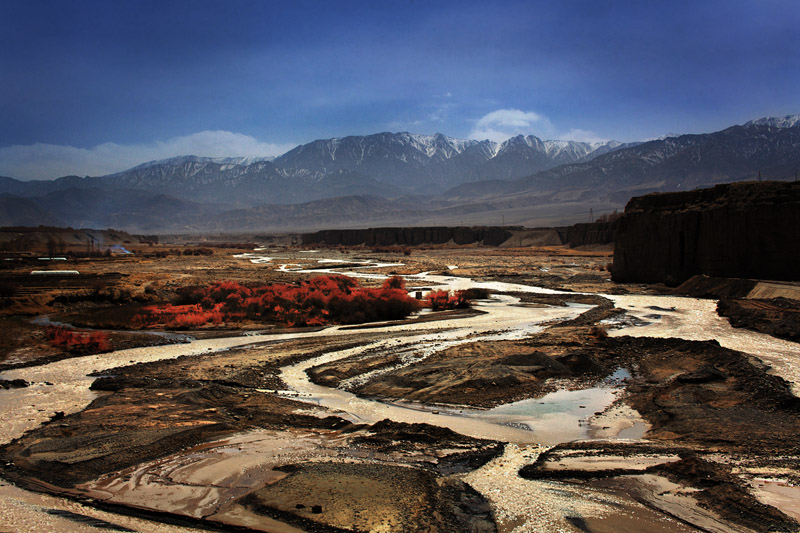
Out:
{"x": 759, "y": 175}
{"x": 591, "y": 215}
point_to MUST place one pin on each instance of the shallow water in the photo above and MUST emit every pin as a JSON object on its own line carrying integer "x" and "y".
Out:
{"x": 696, "y": 319}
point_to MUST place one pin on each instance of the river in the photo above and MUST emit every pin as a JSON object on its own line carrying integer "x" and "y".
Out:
{"x": 64, "y": 385}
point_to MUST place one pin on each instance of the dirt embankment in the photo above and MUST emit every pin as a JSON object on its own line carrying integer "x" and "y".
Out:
{"x": 702, "y": 286}
{"x": 743, "y": 303}
{"x": 779, "y": 317}
{"x": 595, "y": 233}
{"x": 694, "y": 487}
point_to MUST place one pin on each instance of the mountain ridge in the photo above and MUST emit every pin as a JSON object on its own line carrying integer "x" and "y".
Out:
{"x": 430, "y": 177}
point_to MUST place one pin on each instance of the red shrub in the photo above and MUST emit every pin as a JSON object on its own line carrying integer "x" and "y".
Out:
{"x": 395, "y": 282}
{"x": 321, "y": 300}
{"x": 77, "y": 342}
{"x": 440, "y": 300}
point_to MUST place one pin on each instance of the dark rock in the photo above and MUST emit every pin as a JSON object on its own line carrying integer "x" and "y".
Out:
{"x": 114, "y": 383}
{"x": 705, "y": 374}
{"x": 535, "y": 360}
{"x": 13, "y": 383}
{"x": 316, "y": 509}
{"x": 581, "y": 362}
{"x": 741, "y": 230}
{"x": 591, "y": 233}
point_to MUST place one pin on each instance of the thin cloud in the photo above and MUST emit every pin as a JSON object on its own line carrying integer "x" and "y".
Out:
{"x": 49, "y": 161}
{"x": 583, "y": 136}
{"x": 502, "y": 124}
{"x": 439, "y": 113}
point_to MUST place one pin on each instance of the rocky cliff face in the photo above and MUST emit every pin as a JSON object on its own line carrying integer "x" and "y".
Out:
{"x": 591, "y": 233}
{"x": 488, "y": 235}
{"x": 746, "y": 230}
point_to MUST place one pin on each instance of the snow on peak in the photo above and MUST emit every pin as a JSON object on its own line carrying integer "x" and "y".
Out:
{"x": 528, "y": 140}
{"x": 437, "y": 145}
{"x": 183, "y": 159}
{"x": 577, "y": 149}
{"x": 664, "y": 137}
{"x": 610, "y": 144}
{"x": 789, "y": 121}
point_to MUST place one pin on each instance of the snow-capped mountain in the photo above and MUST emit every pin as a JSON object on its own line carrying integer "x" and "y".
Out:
{"x": 434, "y": 172}
{"x": 351, "y": 152}
{"x": 420, "y": 162}
{"x": 789, "y": 121}
{"x": 769, "y": 146}
{"x": 405, "y": 160}
{"x": 181, "y": 159}
{"x": 382, "y": 164}
{"x": 524, "y": 155}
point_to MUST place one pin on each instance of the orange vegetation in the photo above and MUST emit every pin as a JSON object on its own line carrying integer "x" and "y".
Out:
{"x": 77, "y": 342}
{"x": 321, "y": 300}
{"x": 443, "y": 300}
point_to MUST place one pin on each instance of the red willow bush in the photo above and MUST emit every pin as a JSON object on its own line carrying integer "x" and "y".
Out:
{"x": 77, "y": 342}
{"x": 442, "y": 300}
{"x": 321, "y": 300}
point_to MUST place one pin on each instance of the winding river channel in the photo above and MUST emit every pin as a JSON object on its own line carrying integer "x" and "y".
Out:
{"x": 526, "y": 426}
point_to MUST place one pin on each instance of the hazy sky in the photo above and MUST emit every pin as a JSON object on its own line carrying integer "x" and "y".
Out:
{"x": 92, "y": 87}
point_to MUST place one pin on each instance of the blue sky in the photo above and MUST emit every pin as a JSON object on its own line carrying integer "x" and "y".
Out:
{"x": 93, "y": 87}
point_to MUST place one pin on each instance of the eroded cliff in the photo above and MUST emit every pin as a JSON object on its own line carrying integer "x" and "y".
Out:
{"x": 488, "y": 235}
{"x": 745, "y": 230}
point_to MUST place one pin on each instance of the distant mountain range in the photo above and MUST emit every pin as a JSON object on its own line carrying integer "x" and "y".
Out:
{"x": 404, "y": 178}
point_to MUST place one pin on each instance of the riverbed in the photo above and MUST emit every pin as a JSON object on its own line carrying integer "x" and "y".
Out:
{"x": 64, "y": 386}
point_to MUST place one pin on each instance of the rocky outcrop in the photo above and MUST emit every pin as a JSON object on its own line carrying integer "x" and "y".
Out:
{"x": 744, "y": 230}
{"x": 488, "y": 235}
